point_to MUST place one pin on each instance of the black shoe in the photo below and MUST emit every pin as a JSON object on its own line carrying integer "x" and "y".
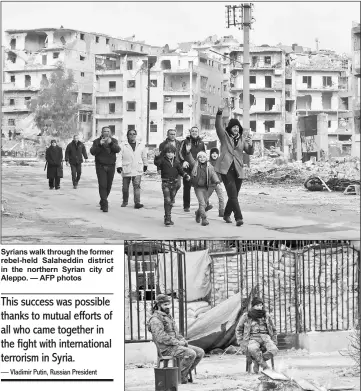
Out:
{"x": 138, "y": 206}
{"x": 198, "y": 217}
{"x": 209, "y": 207}
{"x": 239, "y": 222}
{"x": 57, "y": 188}
{"x": 184, "y": 381}
{"x": 124, "y": 204}
{"x": 187, "y": 209}
{"x": 227, "y": 219}
{"x": 205, "y": 221}
{"x": 75, "y": 186}
{"x": 51, "y": 188}
{"x": 105, "y": 208}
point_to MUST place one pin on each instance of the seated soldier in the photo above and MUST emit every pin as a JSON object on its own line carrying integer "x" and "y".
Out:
{"x": 170, "y": 342}
{"x": 256, "y": 333}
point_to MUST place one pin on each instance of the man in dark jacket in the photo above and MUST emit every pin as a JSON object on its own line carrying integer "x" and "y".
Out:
{"x": 197, "y": 145}
{"x": 74, "y": 155}
{"x": 105, "y": 149}
{"x": 171, "y": 140}
{"x": 54, "y": 158}
{"x": 257, "y": 334}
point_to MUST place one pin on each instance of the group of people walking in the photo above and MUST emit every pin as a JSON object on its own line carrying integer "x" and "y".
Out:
{"x": 176, "y": 161}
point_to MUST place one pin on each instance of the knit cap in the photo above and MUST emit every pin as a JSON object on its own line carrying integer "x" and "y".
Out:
{"x": 201, "y": 153}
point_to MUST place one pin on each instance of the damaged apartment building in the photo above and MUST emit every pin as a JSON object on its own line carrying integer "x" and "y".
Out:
{"x": 30, "y": 58}
{"x": 355, "y": 75}
{"x": 184, "y": 90}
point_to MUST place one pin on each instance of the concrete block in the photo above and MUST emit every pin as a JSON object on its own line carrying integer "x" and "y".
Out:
{"x": 328, "y": 341}
{"x": 140, "y": 353}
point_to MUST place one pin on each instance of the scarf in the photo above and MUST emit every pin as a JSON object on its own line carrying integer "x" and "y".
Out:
{"x": 256, "y": 314}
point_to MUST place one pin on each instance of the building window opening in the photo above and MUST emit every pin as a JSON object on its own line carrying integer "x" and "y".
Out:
{"x": 179, "y": 130}
{"x": 44, "y": 80}
{"x": 153, "y": 83}
{"x": 165, "y": 64}
{"x": 179, "y": 107}
{"x": 86, "y": 98}
{"x": 112, "y": 129}
{"x": 252, "y": 79}
{"x": 153, "y": 106}
{"x": 129, "y": 65}
{"x": 254, "y": 61}
{"x": 62, "y": 40}
{"x": 307, "y": 80}
{"x": 44, "y": 59}
{"x": 82, "y": 36}
{"x": 12, "y": 57}
{"x": 253, "y": 126}
{"x": 107, "y": 41}
{"x": 56, "y": 55}
{"x": 111, "y": 108}
{"x": 82, "y": 74}
{"x": 97, "y": 39}
{"x": 13, "y": 44}
{"x": 268, "y": 125}
{"x": 112, "y": 85}
{"x": 288, "y": 81}
{"x": 344, "y": 103}
{"x": 268, "y": 60}
{"x": 12, "y": 102}
{"x": 131, "y": 83}
{"x": 268, "y": 81}
{"x": 27, "y": 80}
{"x": 327, "y": 81}
{"x": 11, "y": 122}
{"x": 269, "y": 103}
{"x": 326, "y": 100}
{"x": 288, "y": 128}
{"x": 329, "y": 123}
{"x": 130, "y": 106}
{"x": 12, "y": 79}
{"x": 153, "y": 128}
{"x": 82, "y": 58}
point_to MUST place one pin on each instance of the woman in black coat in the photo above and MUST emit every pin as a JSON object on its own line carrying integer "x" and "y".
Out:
{"x": 54, "y": 158}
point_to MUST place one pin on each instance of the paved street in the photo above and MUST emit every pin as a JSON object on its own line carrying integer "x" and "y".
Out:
{"x": 35, "y": 214}
{"x": 228, "y": 373}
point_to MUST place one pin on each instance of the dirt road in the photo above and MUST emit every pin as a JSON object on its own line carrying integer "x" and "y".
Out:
{"x": 35, "y": 214}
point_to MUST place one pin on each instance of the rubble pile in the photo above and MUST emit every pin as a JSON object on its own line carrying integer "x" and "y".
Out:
{"x": 270, "y": 170}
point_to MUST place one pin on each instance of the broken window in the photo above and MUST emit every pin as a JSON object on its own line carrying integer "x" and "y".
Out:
{"x": 224, "y": 70}
{"x": 129, "y": 65}
{"x": 12, "y": 79}
{"x": 86, "y": 98}
{"x": 179, "y": 107}
{"x": 82, "y": 36}
{"x": 13, "y": 44}
{"x": 252, "y": 79}
{"x": 179, "y": 130}
{"x": 153, "y": 128}
{"x": 344, "y": 137}
{"x": 268, "y": 125}
{"x": 44, "y": 59}
{"x": 82, "y": 117}
{"x": 153, "y": 83}
{"x": 268, "y": 60}
{"x": 107, "y": 41}
{"x": 27, "y": 100}
{"x": 97, "y": 39}
{"x": 82, "y": 58}
{"x": 288, "y": 81}
{"x": 27, "y": 80}
{"x": 56, "y": 55}
{"x": 327, "y": 81}
{"x": 307, "y": 80}
{"x": 329, "y": 124}
{"x": 252, "y": 100}
{"x": 204, "y": 81}
{"x": 11, "y": 122}
{"x": 166, "y": 64}
{"x": 253, "y": 126}
{"x": 82, "y": 74}
{"x": 269, "y": 103}
{"x": 326, "y": 100}
{"x": 254, "y": 61}
{"x": 112, "y": 129}
{"x": 344, "y": 103}
{"x": 130, "y": 106}
{"x": 44, "y": 80}
{"x": 141, "y": 48}
{"x": 12, "y": 57}
{"x": 131, "y": 83}
{"x": 288, "y": 128}
{"x": 289, "y": 106}
{"x": 304, "y": 102}
{"x": 153, "y": 106}
{"x": 112, "y": 85}
{"x": 111, "y": 108}
{"x": 12, "y": 102}
{"x": 62, "y": 40}
{"x": 268, "y": 81}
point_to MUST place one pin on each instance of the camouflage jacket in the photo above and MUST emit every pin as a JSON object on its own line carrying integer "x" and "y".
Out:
{"x": 243, "y": 329}
{"x": 164, "y": 331}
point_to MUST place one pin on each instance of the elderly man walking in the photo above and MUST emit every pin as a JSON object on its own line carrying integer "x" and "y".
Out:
{"x": 74, "y": 153}
{"x": 105, "y": 149}
{"x": 132, "y": 163}
{"x": 166, "y": 335}
{"x": 256, "y": 333}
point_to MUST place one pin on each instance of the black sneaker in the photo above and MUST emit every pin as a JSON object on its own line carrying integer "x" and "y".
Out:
{"x": 138, "y": 206}
{"x": 227, "y": 219}
{"x": 239, "y": 222}
{"x": 209, "y": 207}
{"x": 186, "y": 209}
{"x": 124, "y": 204}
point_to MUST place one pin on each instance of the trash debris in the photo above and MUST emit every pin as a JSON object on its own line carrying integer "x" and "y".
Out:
{"x": 272, "y": 374}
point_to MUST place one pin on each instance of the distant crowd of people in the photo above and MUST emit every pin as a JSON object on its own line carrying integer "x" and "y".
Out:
{"x": 176, "y": 161}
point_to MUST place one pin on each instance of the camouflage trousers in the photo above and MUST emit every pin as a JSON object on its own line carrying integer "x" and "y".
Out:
{"x": 190, "y": 357}
{"x": 261, "y": 348}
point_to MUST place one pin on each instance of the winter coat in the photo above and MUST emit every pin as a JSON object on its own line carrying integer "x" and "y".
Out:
{"x": 131, "y": 161}
{"x": 169, "y": 169}
{"x": 164, "y": 331}
{"x": 197, "y": 145}
{"x": 243, "y": 328}
{"x": 229, "y": 152}
{"x": 105, "y": 154}
{"x": 54, "y": 157}
{"x": 74, "y": 153}
{"x": 212, "y": 177}
{"x": 178, "y": 145}
{"x": 213, "y": 162}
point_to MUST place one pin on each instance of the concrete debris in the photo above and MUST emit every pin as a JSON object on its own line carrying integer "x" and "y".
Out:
{"x": 269, "y": 170}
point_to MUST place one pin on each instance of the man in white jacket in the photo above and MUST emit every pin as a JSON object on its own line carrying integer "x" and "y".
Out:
{"x": 132, "y": 162}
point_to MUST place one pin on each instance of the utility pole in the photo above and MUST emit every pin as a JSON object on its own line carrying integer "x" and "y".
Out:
{"x": 241, "y": 16}
{"x": 148, "y": 98}
{"x": 191, "y": 93}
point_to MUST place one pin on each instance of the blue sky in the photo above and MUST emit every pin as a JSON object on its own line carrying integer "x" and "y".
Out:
{"x": 171, "y": 22}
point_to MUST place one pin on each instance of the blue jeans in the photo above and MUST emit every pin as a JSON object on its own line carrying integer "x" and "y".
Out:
{"x": 202, "y": 197}
{"x": 169, "y": 188}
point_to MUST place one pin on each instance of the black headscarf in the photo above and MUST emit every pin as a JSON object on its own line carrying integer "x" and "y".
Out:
{"x": 232, "y": 122}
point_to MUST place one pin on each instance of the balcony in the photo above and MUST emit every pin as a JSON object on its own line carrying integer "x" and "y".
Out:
{"x": 14, "y": 108}
{"x": 176, "y": 91}
{"x": 108, "y": 116}
{"x": 15, "y": 87}
{"x": 318, "y": 88}
{"x": 108, "y": 94}
{"x": 176, "y": 115}
{"x": 105, "y": 72}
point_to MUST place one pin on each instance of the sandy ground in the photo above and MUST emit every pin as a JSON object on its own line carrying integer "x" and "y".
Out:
{"x": 35, "y": 214}
{"x": 228, "y": 373}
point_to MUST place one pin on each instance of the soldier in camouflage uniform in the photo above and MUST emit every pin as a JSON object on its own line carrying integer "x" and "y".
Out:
{"x": 170, "y": 342}
{"x": 256, "y": 332}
